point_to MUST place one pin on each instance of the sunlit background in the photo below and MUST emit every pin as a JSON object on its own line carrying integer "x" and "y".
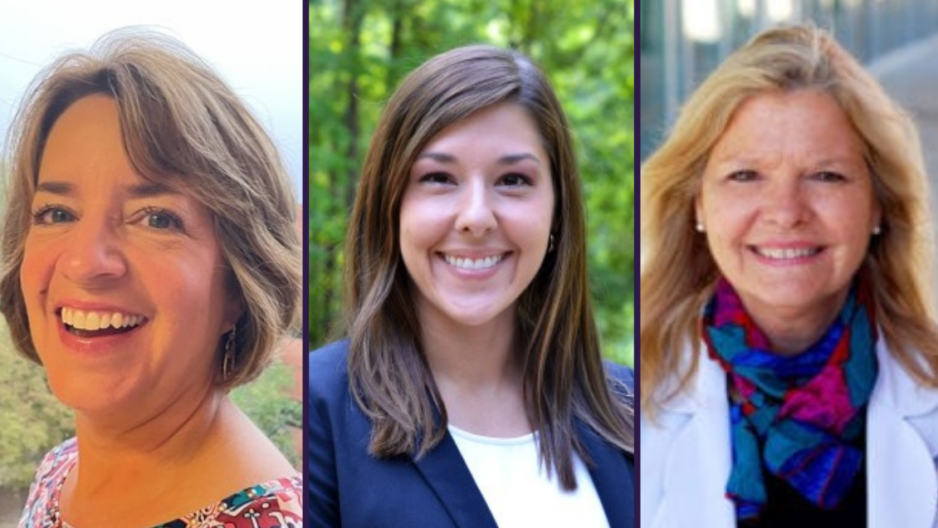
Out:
{"x": 256, "y": 47}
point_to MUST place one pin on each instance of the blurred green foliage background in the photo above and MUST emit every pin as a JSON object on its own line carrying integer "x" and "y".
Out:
{"x": 359, "y": 50}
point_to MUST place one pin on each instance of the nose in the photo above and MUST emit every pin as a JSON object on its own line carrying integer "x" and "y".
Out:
{"x": 92, "y": 253}
{"x": 786, "y": 205}
{"x": 475, "y": 214}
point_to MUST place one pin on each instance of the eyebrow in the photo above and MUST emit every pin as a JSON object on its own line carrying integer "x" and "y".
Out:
{"x": 508, "y": 159}
{"x": 138, "y": 190}
{"x": 150, "y": 189}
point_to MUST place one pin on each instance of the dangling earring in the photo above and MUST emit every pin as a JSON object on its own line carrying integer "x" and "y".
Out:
{"x": 550, "y": 243}
{"x": 228, "y": 358}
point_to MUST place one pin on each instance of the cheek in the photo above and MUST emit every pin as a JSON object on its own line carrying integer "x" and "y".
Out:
{"x": 36, "y": 270}
{"x": 528, "y": 228}
{"x": 423, "y": 225}
{"x": 727, "y": 219}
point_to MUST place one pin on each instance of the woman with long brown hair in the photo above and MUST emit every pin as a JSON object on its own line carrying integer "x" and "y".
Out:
{"x": 470, "y": 390}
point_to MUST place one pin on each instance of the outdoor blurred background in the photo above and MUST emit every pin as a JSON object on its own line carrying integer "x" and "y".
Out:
{"x": 682, "y": 41}
{"x": 259, "y": 51}
{"x": 360, "y": 49}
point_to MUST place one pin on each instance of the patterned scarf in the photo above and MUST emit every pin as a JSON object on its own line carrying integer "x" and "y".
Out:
{"x": 799, "y": 417}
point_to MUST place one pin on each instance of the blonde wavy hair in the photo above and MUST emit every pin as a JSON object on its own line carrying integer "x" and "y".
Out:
{"x": 183, "y": 126}
{"x": 899, "y": 260}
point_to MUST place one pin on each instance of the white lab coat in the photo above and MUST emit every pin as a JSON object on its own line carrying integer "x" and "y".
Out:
{"x": 685, "y": 455}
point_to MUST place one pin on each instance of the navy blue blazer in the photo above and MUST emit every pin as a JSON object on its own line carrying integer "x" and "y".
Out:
{"x": 348, "y": 487}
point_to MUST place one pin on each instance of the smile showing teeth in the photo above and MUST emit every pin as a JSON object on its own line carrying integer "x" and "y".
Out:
{"x": 474, "y": 264}
{"x": 94, "y": 320}
{"x": 787, "y": 253}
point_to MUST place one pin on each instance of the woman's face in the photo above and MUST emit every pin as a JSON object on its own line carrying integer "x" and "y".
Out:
{"x": 476, "y": 216}
{"x": 123, "y": 279}
{"x": 788, "y": 207}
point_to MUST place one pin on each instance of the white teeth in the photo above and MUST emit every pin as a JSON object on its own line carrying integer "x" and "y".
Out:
{"x": 786, "y": 253}
{"x": 92, "y": 320}
{"x": 474, "y": 264}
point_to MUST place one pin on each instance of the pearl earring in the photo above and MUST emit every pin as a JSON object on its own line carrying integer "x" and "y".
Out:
{"x": 699, "y": 227}
{"x": 877, "y": 230}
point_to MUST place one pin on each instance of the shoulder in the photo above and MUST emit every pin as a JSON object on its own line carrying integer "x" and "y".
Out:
{"x": 329, "y": 357}
{"x": 328, "y": 371}
{"x": 621, "y": 380}
{"x": 620, "y": 373}
{"x": 275, "y": 503}
{"x": 44, "y": 489}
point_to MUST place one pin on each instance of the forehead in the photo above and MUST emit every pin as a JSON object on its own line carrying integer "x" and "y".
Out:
{"x": 86, "y": 143}
{"x": 496, "y": 129}
{"x": 795, "y": 123}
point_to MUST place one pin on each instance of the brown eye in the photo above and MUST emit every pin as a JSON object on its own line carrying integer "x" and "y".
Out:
{"x": 438, "y": 178}
{"x": 515, "y": 180}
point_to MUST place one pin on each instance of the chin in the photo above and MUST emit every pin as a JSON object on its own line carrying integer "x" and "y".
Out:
{"x": 89, "y": 396}
{"x": 471, "y": 316}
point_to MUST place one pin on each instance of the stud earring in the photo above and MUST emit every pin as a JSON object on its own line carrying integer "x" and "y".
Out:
{"x": 877, "y": 230}
{"x": 228, "y": 359}
{"x": 699, "y": 227}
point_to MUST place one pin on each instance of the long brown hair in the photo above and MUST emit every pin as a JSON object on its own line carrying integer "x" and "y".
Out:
{"x": 678, "y": 271}
{"x": 556, "y": 337}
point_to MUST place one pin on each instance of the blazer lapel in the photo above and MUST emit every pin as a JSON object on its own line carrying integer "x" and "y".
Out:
{"x": 902, "y": 440}
{"x": 446, "y": 472}
{"x": 611, "y": 472}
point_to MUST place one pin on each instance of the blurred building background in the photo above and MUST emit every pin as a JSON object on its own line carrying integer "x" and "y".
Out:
{"x": 681, "y": 41}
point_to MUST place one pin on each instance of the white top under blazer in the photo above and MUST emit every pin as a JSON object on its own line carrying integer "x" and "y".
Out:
{"x": 517, "y": 489}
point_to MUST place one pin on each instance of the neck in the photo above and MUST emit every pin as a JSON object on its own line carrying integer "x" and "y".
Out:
{"x": 477, "y": 373}
{"x": 115, "y": 455}
{"x": 477, "y": 356}
{"x": 792, "y": 332}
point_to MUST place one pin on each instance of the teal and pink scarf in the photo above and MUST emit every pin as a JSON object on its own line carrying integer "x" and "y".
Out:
{"x": 799, "y": 417}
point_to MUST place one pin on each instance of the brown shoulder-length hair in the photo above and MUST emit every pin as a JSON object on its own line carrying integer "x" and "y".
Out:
{"x": 183, "y": 126}
{"x": 678, "y": 272}
{"x": 564, "y": 377}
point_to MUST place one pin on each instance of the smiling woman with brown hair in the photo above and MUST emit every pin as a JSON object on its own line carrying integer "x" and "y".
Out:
{"x": 471, "y": 389}
{"x": 130, "y": 274}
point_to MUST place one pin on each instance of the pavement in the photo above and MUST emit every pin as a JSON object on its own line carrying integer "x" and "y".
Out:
{"x": 910, "y": 75}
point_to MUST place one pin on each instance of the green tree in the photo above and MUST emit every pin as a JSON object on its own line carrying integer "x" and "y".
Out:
{"x": 360, "y": 49}
{"x": 33, "y": 420}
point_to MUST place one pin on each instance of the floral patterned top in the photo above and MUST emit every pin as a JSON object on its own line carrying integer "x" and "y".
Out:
{"x": 275, "y": 504}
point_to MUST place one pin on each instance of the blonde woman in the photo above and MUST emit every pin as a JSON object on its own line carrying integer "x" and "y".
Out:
{"x": 788, "y": 344}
